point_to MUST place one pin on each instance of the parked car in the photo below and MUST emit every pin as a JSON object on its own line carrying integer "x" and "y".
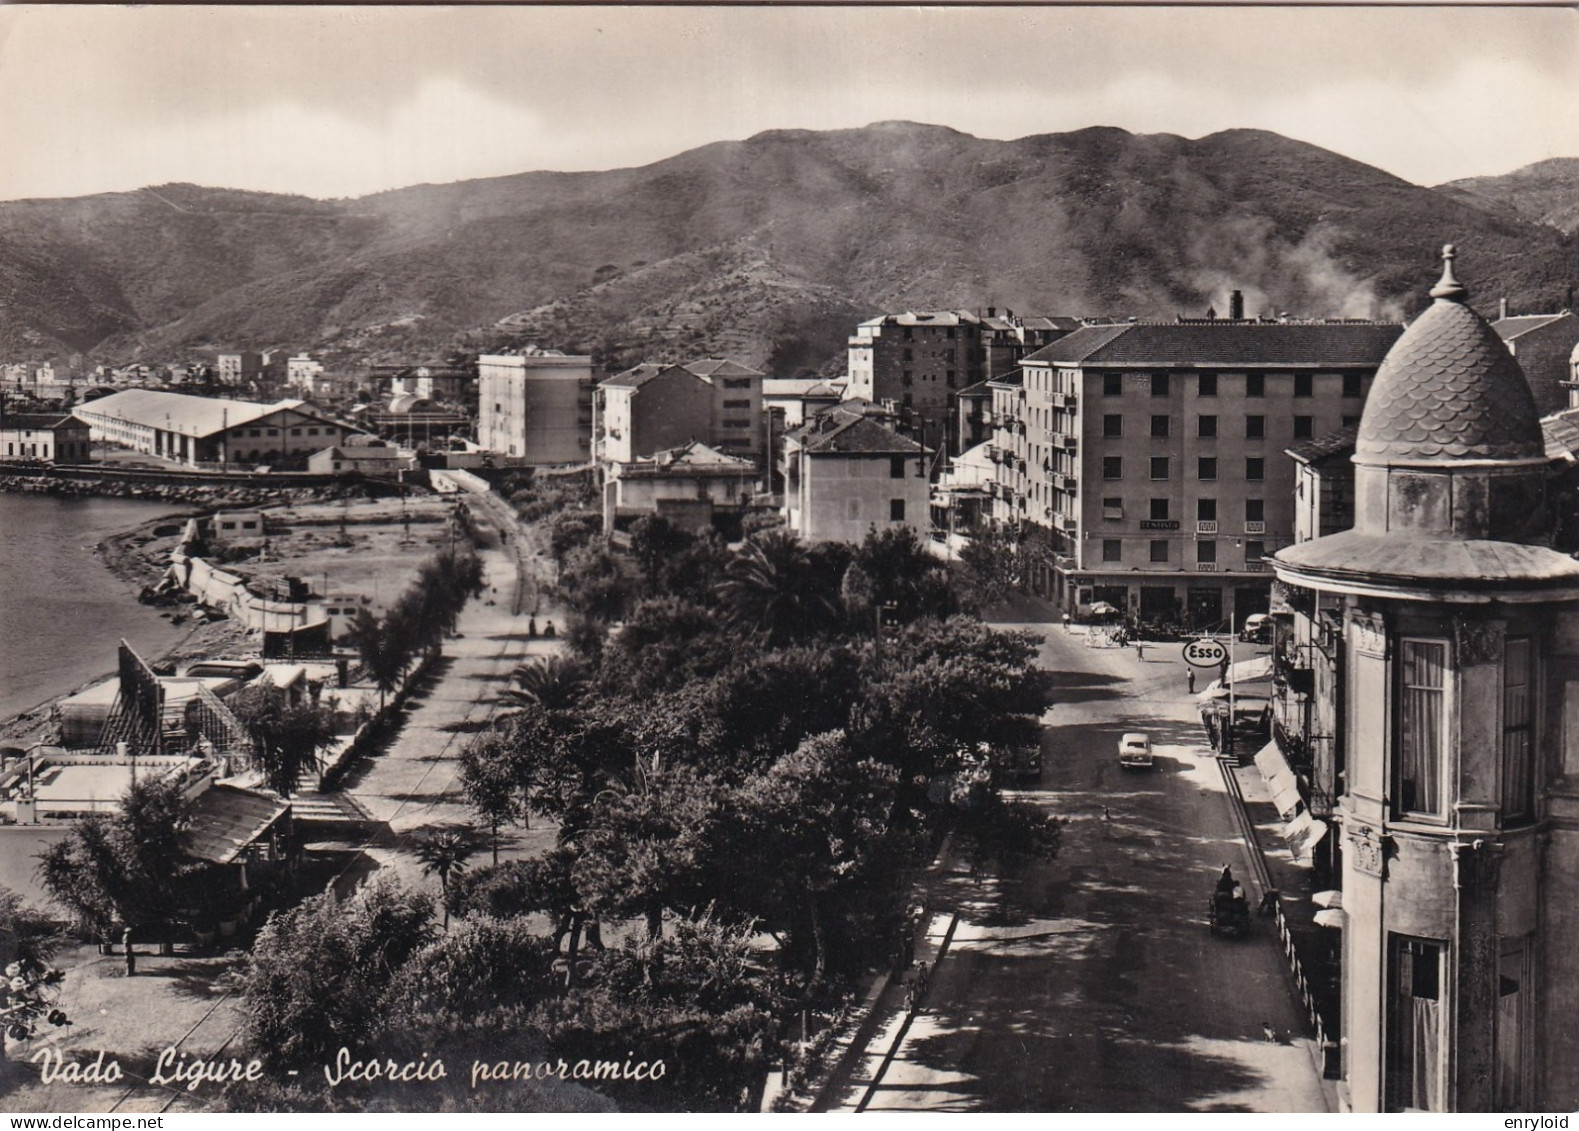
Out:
{"x": 1134, "y": 751}
{"x": 1257, "y": 629}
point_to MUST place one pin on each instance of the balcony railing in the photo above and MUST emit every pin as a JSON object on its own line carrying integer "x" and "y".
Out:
{"x": 1205, "y": 567}
{"x": 1255, "y": 528}
{"x": 1206, "y": 527}
{"x": 1255, "y": 567}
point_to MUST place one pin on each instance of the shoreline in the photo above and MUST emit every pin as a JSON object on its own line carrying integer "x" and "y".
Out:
{"x": 119, "y": 559}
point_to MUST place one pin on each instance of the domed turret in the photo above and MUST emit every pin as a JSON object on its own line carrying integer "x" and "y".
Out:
{"x": 1449, "y": 391}
{"x": 1450, "y": 474}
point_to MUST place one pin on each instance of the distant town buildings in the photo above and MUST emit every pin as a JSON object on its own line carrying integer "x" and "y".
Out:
{"x": 1144, "y": 462}
{"x": 204, "y": 431}
{"x": 1439, "y": 645}
{"x": 535, "y": 405}
{"x": 240, "y": 368}
{"x": 846, "y": 473}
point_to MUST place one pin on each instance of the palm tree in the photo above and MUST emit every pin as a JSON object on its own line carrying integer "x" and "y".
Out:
{"x": 555, "y": 684}
{"x": 444, "y": 853}
{"x": 769, "y": 586}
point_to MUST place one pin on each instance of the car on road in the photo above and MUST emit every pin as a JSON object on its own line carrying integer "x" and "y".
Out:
{"x": 1257, "y": 629}
{"x": 1134, "y": 751}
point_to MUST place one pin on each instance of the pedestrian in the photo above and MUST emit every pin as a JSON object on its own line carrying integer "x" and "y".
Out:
{"x": 531, "y": 628}
{"x": 1189, "y": 679}
{"x": 1140, "y": 650}
{"x": 1066, "y": 622}
{"x": 548, "y": 630}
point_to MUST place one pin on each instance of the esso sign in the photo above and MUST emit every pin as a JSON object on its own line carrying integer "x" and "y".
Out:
{"x": 1205, "y": 654}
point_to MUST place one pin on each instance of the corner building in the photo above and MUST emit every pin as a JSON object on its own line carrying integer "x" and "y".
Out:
{"x": 1459, "y": 805}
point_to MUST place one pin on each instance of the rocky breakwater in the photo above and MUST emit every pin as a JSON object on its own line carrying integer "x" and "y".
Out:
{"x": 187, "y": 494}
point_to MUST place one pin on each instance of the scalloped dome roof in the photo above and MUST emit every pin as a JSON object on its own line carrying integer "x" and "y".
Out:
{"x": 1449, "y": 390}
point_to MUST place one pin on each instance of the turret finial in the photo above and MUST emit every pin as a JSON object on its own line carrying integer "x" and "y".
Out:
{"x": 1449, "y": 287}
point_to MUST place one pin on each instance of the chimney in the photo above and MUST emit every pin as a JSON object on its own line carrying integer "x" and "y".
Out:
{"x": 1502, "y": 307}
{"x": 1236, "y": 306}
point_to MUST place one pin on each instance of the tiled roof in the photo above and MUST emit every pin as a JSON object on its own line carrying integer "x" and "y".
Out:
{"x": 1560, "y": 431}
{"x": 199, "y": 416}
{"x": 37, "y": 421}
{"x": 1224, "y": 344}
{"x": 1337, "y": 443}
{"x": 979, "y": 389}
{"x": 840, "y": 432}
{"x": 718, "y": 367}
{"x": 1449, "y": 390}
{"x": 1509, "y": 328}
{"x": 802, "y": 386}
{"x": 226, "y": 819}
{"x": 635, "y": 377}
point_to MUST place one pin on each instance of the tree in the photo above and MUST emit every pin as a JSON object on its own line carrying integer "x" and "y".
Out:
{"x": 382, "y": 647}
{"x": 554, "y": 683}
{"x": 771, "y": 586}
{"x": 287, "y": 739}
{"x": 490, "y": 785}
{"x": 319, "y": 974}
{"x": 992, "y": 566}
{"x": 444, "y": 853}
{"x": 656, "y": 543}
{"x": 31, "y": 987}
{"x": 124, "y": 869}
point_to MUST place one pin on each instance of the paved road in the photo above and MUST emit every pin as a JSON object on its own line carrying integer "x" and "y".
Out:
{"x": 1092, "y": 983}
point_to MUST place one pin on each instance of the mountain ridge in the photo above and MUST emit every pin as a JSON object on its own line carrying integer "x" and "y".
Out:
{"x": 770, "y": 248}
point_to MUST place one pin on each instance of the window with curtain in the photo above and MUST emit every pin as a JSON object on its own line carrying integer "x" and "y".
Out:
{"x": 1422, "y": 679}
{"x": 1512, "y": 973}
{"x": 1518, "y": 781}
{"x": 1414, "y": 1023}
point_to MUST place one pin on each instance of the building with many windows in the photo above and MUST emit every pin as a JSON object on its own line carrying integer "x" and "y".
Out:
{"x": 535, "y": 405}
{"x": 1542, "y": 345}
{"x": 919, "y": 360}
{"x": 1144, "y": 462}
{"x": 652, "y": 408}
{"x": 1453, "y": 630}
{"x": 206, "y": 431}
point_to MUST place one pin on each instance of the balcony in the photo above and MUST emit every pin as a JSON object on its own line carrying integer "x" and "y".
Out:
{"x": 1255, "y": 528}
{"x": 1206, "y": 527}
{"x": 1064, "y": 440}
{"x": 1067, "y": 482}
{"x": 1065, "y": 522}
{"x": 1254, "y": 567}
{"x": 1205, "y": 567}
{"x": 1065, "y": 400}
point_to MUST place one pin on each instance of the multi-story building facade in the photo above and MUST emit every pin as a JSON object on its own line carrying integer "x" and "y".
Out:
{"x": 918, "y": 360}
{"x": 1146, "y": 462}
{"x": 652, "y": 408}
{"x": 535, "y": 406}
{"x": 846, "y": 473}
{"x": 1455, "y": 641}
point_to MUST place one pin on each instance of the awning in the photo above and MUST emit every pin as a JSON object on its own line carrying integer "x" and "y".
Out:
{"x": 1251, "y": 671}
{"x": 1332, "y": 899}
{"x": 1304, "y": 833}
{"x": 1279, "y": 779}
{"x": 1330, "y": 917}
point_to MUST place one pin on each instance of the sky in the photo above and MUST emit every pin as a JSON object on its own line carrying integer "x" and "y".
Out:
{"x": 346, "y": 101}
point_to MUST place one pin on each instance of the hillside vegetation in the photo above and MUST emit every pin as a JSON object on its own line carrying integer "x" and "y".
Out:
{"x": 768, "y": 249}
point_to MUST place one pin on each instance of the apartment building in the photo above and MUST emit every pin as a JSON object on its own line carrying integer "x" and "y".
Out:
{"x": 919, "y": 360}
{"x": 1145, "y": 462}
{"x": 535, "y": 405}
{"x": 652, "y": 408}
{"x": 846, "y": 473}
